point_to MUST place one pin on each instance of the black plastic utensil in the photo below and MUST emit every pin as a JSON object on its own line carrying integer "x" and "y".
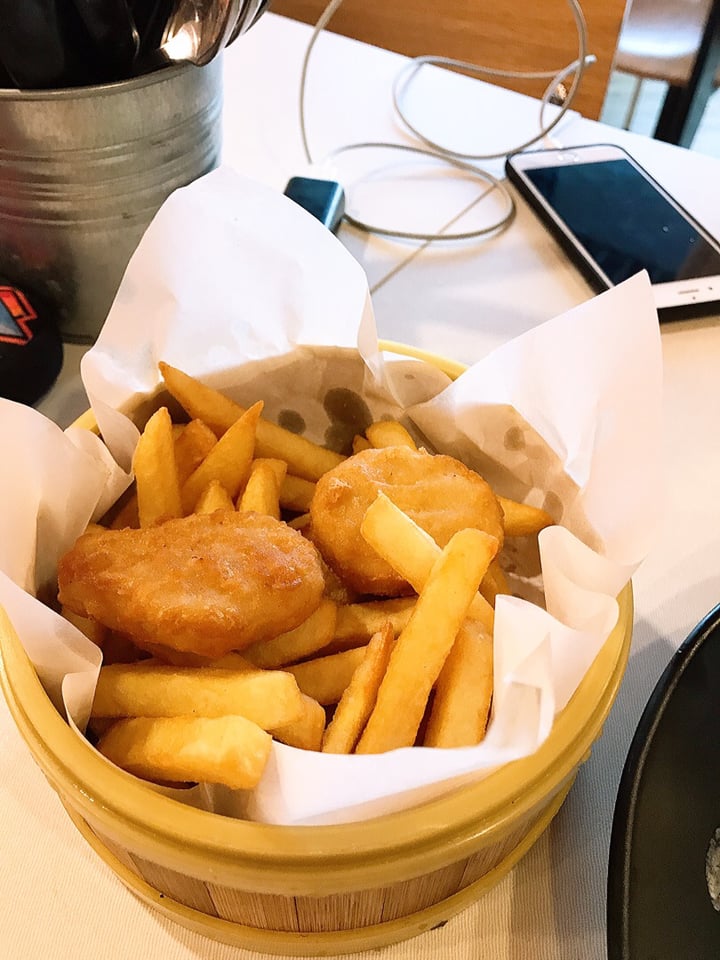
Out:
{"x": 663, "y": 898}
{"x": 151, "y": 17}
{"x": 31, "y": 43}
{"x": 44, "y": 45}
{"x": 112, "y": 31}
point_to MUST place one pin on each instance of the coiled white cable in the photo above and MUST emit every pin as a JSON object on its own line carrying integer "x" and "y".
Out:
{"x": 434, "y": 150}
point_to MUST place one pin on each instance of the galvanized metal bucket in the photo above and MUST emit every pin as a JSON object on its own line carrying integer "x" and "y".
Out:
{"x": 82, "y": 173}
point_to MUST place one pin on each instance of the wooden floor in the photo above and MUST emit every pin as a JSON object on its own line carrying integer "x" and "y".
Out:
{"x": 707, "y": 139}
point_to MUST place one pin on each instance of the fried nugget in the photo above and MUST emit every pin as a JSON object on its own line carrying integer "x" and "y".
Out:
{"x": 440, "y": 493}
{"x": 205, "y": 584}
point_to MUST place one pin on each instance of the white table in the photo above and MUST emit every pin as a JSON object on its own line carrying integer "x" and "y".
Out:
{"x": 57, "y": 900}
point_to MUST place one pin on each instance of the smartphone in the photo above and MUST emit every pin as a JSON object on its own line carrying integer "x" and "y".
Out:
{"x": 614, "y": 220}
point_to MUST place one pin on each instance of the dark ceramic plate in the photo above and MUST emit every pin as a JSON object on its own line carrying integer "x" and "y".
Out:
{"x": 664, "y": 867}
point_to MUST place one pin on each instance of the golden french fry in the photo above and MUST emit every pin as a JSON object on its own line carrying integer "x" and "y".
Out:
{"x": 423, "y": 646}
{"x": 228, "y": 461}
{"x": 162, "y": 654}
{"x": 306, "y": 732}
{"x": 357, "y": 622}
{"x": 199, "y": 401}
{"x": 303, "y": 457}
{"x": 125, "y": 512}
{"x": 230, "y": 750}
{"x": 91, "y": 628}
{"x": 522, "y": 520}
{"x": 389, "y": 433}
{"x": 214, "y": 497}
{"x": 463, "y": 692}
{"x": 410, "y": 550}
{"x": 192, "y": 445}
{"x": 296, "y": 493}
{"x": 299, "y": 522}
{"x": 325, "y": 678}
{"x": 360, "y": 443}
{"x": 494, "y": 582}
{"x": 270, "y": 698}
{"x": 232, "y": 661}
{"x": 262, "y": 490}
{"x": 156, "y": 476}
{"x": 310, "y": 636}
{"x": 358, "y": 700}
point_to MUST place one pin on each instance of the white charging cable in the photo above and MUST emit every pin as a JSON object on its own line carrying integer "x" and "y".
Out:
{"x": 430, "y": 148}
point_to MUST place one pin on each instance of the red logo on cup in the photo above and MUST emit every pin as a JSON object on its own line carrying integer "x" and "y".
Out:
{"x": 15, "y": 315}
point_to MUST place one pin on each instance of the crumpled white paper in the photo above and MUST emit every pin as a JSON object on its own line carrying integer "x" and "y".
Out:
{"x": 235, "y": 284}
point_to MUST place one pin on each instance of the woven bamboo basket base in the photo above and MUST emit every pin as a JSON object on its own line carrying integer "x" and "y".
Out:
{"x": 321, "y": 926}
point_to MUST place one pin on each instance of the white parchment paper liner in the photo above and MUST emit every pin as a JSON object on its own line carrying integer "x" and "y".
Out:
{"x": 237, "y": 285}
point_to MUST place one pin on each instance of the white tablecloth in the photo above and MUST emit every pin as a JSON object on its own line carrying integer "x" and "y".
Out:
{"x": 58, "y": 900}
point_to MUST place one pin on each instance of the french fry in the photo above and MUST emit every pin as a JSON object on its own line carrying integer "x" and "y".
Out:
{"x": 168, "y": 656}
{"x": 299, "y": 522}
{"x": 463, "y": 692}
{"x": 325, "y": 678}
{"x": 156, "y": 476}
{"x": 270, "y": 698}
{"x": 410, "y": 550}
{"x": 358, "y": 699}
{"x": 91, "y": 628}
{"x": 230, "y": 750}
{"x": 199, "y": 401}
{"x": 357, "y": 622}
{"x": 306, "y": 732}
{"x": 310, "y": 636}
{"x": 389, "y": 433}
{"x": 214, "y": 497}
{"x": 304, "y": 458}
{"x": 262, "y": 490}
{"x": 494, "y": 583}
{"x": 192, "y": 443}
{"x": 232, "y": 661}
{"x": 360, "y": 443}
{"x": 522, "y": 520}
{"x": 127, "y": 514}
{"x": 228, "y": 461}
{"x": 192, "y": 446}
{"x": 296, "y": 493}
{"x": 423, "y": 646}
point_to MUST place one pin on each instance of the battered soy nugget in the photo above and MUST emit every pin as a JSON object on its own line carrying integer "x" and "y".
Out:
{"x": 205, "y": 584}
{"x": 438, "y": 492}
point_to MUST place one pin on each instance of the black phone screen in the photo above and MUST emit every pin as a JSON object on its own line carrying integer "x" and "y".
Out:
{"x": 624, "y": 223}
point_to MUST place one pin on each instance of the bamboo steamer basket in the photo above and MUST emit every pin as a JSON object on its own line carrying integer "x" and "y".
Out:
{"x": 314, "y": 890}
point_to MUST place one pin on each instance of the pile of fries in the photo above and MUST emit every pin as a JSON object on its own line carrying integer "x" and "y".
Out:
{"x": 359, "y": 675}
